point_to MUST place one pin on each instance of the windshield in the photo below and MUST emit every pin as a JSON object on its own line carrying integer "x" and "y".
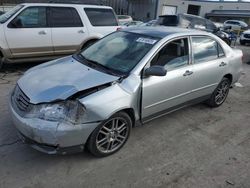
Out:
{"x": 10, "y": 13}
{"x": 120, "y": 51}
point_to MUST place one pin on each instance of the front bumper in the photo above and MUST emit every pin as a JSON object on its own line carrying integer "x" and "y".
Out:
{"x": 50, "y": 149}
{"x": 52, "y": 137}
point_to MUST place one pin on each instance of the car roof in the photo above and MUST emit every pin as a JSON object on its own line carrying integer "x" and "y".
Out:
{"x": 66, "y": 4}
{"x": 162, "y": 31}
{"x": 239, "y": 21}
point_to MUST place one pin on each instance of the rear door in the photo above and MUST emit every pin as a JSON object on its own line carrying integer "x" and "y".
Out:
{"x": 68, "y": 31}
{"x": 209, "y": 65}
{"x": 102, "y": 20}
{"x": 28, "y": 34}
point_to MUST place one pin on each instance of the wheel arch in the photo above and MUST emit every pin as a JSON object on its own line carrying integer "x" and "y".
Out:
{"x": 129, "y": 111}
{"x": 229, "y": 76}
{"x": 88, "y": 41}
{"x": 1, "y": 59}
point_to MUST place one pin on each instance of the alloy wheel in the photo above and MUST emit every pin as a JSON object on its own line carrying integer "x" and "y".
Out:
{"x": 112, "y": 135}
{"x": 221, "y": 92}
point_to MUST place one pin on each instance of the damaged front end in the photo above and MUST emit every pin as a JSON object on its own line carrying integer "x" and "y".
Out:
{"x": 57, "y": 117}
{"x": 58, "y": 127}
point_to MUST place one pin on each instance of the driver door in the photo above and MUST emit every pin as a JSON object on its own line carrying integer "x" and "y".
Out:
{"x": 28, "y": 34}
{"x": 161, "y": 94}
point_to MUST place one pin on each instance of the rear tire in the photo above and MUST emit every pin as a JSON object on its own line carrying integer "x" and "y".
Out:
{"x": 220, "y": 93}
{"x": 110, "y": 136}
{"x": 1, "y": 63}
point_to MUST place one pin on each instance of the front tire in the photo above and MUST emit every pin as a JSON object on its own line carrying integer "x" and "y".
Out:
{"x": 220, "y": 93}
{"x": 111, "y": 135}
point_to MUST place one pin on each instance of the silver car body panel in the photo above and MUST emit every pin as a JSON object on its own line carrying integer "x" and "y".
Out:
{"x": 60, "y": 79}
{"x": 42, "y": 85}
{"x": 104, "y": 103}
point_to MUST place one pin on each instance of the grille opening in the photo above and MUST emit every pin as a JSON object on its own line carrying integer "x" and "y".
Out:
{"x": 20, "y": 99}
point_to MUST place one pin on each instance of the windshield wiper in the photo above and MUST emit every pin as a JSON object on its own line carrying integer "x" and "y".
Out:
{"x": 95, "y": 64}
{"x": 80, "y": 58}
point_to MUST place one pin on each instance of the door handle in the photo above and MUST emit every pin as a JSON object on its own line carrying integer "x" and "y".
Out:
{"x": 223, "y": 64}
{"x": 81, "y": 31}
{"x": 188, "y": 72}
{"x": 42, "y": 32}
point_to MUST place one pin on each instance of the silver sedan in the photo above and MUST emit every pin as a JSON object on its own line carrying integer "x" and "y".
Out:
{"x": 92, "y": 99}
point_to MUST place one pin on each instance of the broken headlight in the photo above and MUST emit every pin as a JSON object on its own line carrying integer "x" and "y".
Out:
{"x": 66, "y": 111}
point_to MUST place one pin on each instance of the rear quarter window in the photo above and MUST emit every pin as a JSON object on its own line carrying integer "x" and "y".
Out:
{"x": 101, "y": 17}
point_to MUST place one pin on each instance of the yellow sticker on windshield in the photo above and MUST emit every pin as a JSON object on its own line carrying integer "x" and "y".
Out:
{"x": 146, "y": 40}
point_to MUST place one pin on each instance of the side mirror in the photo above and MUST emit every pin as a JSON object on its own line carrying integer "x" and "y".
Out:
{"x": 155, "y": 70}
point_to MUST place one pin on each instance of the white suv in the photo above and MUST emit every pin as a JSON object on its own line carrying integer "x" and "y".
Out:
{"x": 31, "y": 32}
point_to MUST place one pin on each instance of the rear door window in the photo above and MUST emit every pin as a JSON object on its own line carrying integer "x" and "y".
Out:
{"x": 206, "y": 49}
{"x": 64, "y": 17}
{"x": 101, "y": 17}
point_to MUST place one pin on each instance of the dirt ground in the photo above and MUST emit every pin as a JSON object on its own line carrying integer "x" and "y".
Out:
{"x": 194, "y": 147}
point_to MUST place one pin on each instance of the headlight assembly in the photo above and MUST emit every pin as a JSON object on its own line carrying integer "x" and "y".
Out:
{"x": 66, "y": 111}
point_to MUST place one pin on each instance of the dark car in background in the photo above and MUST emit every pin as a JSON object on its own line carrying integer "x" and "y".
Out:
{"x": 193, "y": 22}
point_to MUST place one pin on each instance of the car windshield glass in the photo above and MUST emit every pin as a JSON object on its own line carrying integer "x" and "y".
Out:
{"x": 10, "y": 13}
{"x": 171, "y": 20}
{"x": 120, "y": 51}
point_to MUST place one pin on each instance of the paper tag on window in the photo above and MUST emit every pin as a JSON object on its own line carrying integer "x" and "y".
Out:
{"x": 146, "y": 40}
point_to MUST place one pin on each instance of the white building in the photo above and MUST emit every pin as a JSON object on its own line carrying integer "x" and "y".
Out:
{"x": 216, "y": 10}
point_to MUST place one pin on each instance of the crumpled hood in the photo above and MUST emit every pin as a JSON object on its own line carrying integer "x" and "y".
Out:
{"x": 60, "y": 79}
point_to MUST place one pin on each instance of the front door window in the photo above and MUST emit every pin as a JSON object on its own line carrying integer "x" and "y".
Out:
{"x": 173, "y": 55}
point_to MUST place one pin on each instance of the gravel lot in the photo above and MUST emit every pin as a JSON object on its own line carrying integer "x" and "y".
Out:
{"x": 194, "y": 147}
